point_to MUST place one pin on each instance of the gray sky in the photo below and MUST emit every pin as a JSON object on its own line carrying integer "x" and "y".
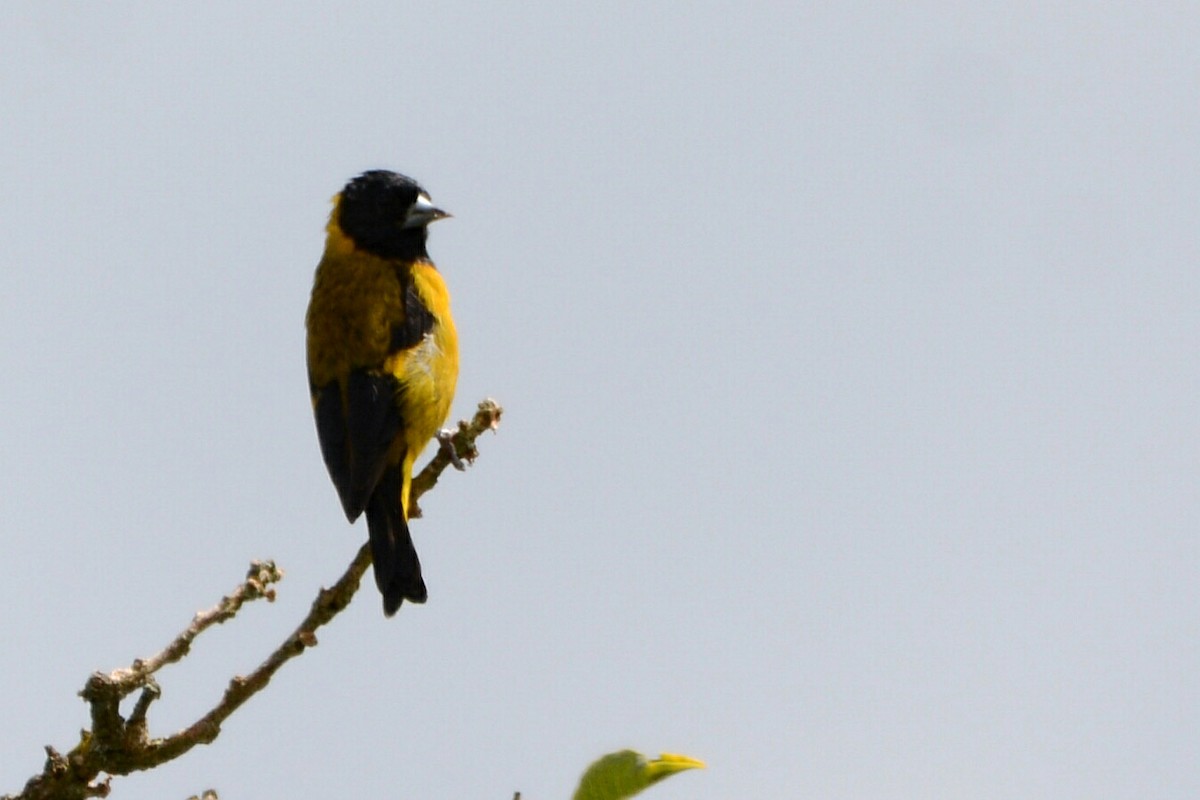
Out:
{"x": 849, "y": 360}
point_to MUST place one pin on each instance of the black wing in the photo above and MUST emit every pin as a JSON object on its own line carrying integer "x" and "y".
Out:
{"x": 356, "y": 431}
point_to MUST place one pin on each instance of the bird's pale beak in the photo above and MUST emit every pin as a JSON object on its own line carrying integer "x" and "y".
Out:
{"x": 423, "y": 212}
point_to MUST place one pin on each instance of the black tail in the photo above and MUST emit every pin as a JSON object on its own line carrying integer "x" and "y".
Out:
{"x": 397, "y": 568}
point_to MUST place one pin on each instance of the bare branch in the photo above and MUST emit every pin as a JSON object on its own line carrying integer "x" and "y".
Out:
{"x": 116, "y": 746}
{"x": 487, "y": 418}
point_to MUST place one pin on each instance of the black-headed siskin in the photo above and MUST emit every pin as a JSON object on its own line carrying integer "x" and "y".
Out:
{"x": 382, "y": 362}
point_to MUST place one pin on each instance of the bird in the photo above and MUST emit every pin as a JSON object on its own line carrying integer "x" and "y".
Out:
{"x": 624, "y": 773}
{"x": 382, "y": 357}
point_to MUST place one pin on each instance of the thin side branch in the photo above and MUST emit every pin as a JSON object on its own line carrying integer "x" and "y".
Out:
{"x": 116, "y": 746}
{"x": 487, "y": 418}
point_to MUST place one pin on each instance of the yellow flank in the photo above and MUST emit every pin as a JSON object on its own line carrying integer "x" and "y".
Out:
{"x": 428, "y": 372}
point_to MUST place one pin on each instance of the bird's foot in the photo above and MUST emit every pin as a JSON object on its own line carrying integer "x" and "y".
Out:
{"x": 445, "y": 439}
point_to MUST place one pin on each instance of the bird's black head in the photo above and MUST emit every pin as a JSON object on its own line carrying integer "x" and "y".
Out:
{"x": 385, "y": 214}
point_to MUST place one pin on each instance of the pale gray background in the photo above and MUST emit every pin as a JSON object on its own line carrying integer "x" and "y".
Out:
{"x": 850, "y": 366}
